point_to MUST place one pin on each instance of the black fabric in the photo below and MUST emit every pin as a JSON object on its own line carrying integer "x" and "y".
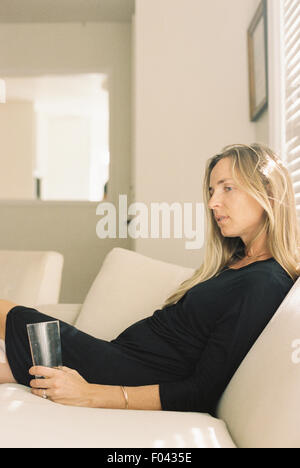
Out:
{"x": 98, "y": 361}
{"x": 191, "y": 349}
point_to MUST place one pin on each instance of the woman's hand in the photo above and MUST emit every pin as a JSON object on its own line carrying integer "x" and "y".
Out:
{"x": 65, "y": 386}
{"x": 61, "y": 385}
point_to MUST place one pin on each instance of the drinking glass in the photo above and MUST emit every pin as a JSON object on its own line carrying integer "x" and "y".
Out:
{"x": 45, "y": 344}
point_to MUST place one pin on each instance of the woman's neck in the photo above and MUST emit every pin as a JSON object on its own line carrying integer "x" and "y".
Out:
{"x": 258, "y": 249}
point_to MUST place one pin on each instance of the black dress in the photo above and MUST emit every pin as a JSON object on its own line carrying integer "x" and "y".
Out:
{"x": 191, "y": 349}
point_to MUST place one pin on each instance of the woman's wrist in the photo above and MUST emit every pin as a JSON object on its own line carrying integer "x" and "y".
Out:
{"x": 106, "y": 396}
{"x": 111, "y": 396}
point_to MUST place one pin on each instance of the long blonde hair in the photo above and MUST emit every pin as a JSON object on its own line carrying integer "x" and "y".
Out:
{"x": 264, "y": 176}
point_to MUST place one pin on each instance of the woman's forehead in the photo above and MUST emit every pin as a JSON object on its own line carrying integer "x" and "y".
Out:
{"x": 222, "y": 170}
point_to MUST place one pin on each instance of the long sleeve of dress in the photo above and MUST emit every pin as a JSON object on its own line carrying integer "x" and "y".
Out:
{"x": 239, "y": 320}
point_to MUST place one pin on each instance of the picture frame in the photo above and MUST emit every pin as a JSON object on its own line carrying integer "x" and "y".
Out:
{"x": 258, "y": 61}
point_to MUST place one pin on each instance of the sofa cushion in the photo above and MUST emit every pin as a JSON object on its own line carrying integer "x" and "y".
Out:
{"x": 261, "y": 405}
{"x": 128, "y": 288}
{"x": 30, "y": 278}
{"x": 29, "y": 421}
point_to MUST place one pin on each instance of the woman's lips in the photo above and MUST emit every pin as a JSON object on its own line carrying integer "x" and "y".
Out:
{"x": 223, "y": 220}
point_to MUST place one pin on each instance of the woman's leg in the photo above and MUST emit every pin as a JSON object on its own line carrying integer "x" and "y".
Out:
{"x": 6, "y": 375}
{"x": 5, "y": 307}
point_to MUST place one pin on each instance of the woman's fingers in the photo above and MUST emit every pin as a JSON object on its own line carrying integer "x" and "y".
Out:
{"x": 45, "y": 393}
{"x": 41, "y": 386}
{"x": 40, "y": 383}
{"x": 50, "y": 371}
{"x": 43, "y": 371}
{"x": 42, "y": 393}
{"x": 61, "y": 385}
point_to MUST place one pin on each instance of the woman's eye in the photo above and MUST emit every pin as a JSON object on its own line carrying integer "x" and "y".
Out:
{"x": 228, "y": 189}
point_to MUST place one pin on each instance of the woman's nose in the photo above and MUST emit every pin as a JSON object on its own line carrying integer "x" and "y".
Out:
{"x": 214, "y": 202}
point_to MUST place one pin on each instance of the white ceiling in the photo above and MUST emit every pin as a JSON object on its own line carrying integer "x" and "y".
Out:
{"x": 50, "y": 11}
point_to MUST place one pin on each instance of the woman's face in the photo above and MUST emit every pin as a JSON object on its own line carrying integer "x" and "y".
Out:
{"x": 243, "y": 214}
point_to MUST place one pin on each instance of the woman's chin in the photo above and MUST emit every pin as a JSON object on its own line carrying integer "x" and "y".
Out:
{"x": 228, "y": 233}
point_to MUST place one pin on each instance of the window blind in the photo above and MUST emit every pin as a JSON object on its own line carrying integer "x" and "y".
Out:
{"x": 291, "y": 57}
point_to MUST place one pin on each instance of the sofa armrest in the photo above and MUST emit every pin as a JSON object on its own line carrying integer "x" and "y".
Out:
{"x": 66, "y": 312}
{"x": 30, "y": 277}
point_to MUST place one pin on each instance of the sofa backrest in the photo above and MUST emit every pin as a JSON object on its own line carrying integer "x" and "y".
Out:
{"x": 261, "y": 405}
{"x": 30, "y": 278}
{"x": 128, "y": 288}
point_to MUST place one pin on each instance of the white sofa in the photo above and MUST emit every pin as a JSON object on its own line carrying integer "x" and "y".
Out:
{"x": 30, "y": 277}
{"x": 260, "y": 407}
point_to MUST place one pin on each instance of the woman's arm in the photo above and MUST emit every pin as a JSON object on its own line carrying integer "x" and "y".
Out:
{"x": 145, "y": 397}
{"x": 67, "y": 387}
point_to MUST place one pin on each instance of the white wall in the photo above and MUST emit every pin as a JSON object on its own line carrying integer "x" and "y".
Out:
{"x": 17, "y": 150}
{"x": 70, "y": 228}
{"x": 191, "y": 99}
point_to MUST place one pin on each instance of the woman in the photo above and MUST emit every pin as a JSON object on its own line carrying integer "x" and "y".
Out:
{"x": 183, "y": 356}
